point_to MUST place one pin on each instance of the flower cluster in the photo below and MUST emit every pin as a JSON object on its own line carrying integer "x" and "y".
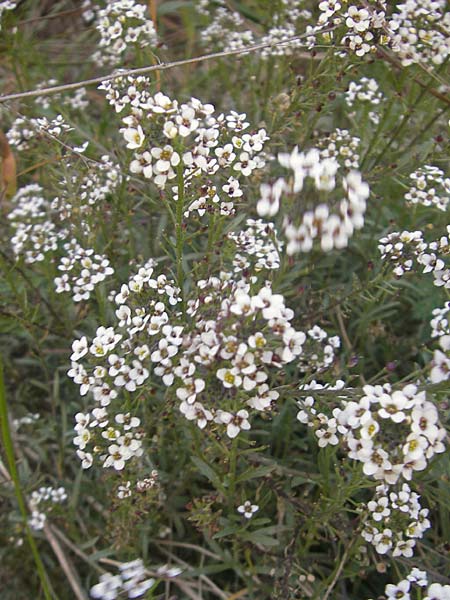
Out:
{"x": 28, "y": 419}
{"x": 121, "y": 24}
{"x": 406, "y": 249}
{"x": 54, "y": 127}
{"x": 93, "y": 188}
{"x": 23, "y": 130}
{"x": 391, "y": 432}
{"x": 218, "y": 367}
{"x": 283, "y": 33}
{"x": 395, "y": 520}
{"x": 257, "y": 248}
{"x": 402, "y": 250}
{"x": 132, "y": 580}
{"x": 332, "y": 227}
{"x": 187, "y": 145}
{"x": 421, "y": 32}
{"x": 325, "y": 428}
{"x": 430, "y": 188}
{"x": 440, "y": 323}
{"x": 82, "y": 271}
{"x": 320, "y": 349}
{"x": 358, "y": 27}
{"x": 126, "y": 490}
{"x": 122, "y": 440}
{"x": 116, "y": 438}
{"x": 34, "y": 232}
{"x": 342, "y": 146}
{"x": 228, "y": 30}
{"x": 239, "y": 337}
{"x": 363, "y": 92}
{"x": 435, "y": 260}
{"x": 440, "y": 365}
{"x": 41, "y": 502}
{"x": 76, "y": 100}
{"x": 40, "y": 225}
{"x": 20, "y": 134}
{"x": 415, "y": 586}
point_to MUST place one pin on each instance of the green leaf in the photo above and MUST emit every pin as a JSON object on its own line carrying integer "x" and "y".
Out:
{"x": 208, "y": 472}
{"x": 227, "y": 531}
{"x": 257, "y": 537}
{"x": 255, "y": 472}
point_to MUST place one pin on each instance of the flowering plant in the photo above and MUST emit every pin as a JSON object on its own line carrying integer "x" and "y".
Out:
{"x": 224, "y": 299}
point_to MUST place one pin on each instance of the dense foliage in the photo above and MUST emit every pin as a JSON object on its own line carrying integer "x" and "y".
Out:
{"x": 224, "y": 307}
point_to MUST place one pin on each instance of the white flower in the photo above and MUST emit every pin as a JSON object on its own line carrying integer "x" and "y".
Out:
{"x": 404, "y": 548}
{"x": 398, "y": 591}
{"x": 242, "y": 304}
{"x": 165, "y": 158}
{"x": 82, "y": 439}
{"x": 418, "y": 577}
{"x": 116, "y": 458}
{"x": 440, "y": 367}
{"x": 272, "y": 305}
{"x": 108, "y": 588}
{"x": 196, "y": 411}
{"x": 134, "y": 136}
{"x": 191, "y": 388}
{"x": 436, "y": 591}
{"x": 86, "y": 459}
{"x": 229, "y": 377}
{"x": 186, "y": 121}
{"x": 248, "y": 509}
{"x": 269, "y": 203}
{"x": 245, "y": 164}
{"x": 379, "y": 509}
{"x": 164, "y": 352}
{"x": 234, "y": 422}
{"x": 358, "y": 19}
{"x": 79, "y": 349}
{"x": 383, "y": 541}
{"x": 124, "y": 491}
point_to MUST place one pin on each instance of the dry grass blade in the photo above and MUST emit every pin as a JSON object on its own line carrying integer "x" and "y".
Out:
{"x": 65, "y": 564}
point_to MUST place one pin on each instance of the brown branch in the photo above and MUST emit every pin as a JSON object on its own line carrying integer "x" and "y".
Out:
{"x": 63, "y": 13}
{"x": 160, "y": 67}
{"x": 434, "y": 92}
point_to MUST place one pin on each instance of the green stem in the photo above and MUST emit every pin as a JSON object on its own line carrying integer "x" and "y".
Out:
{"x": 9, "y": 451}
{"x": 212, "y": 222}
{"x": 379, "y": 129}
{"x": 232, "y": 470}
{"x": 179, "y": 230}
{"x": 405, "y": 119}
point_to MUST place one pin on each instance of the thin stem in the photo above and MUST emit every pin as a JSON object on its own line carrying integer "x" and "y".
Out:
{"x": 232, "y": 470}
{"x": 160, "y": 67}
{"x": 379, "y": 129}
{"x": 9, "y": 451}
{"x": 179, "y": 231}
{"x": 338, "y": 571}
{"x": 212, "y": 222}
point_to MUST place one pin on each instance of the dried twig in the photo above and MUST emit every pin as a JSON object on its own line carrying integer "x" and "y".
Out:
{"x": 159, "y": 67}
{"x": 65, "y": 564}
{"x": 49, "y": 535}
{"x": 338, "y": 572}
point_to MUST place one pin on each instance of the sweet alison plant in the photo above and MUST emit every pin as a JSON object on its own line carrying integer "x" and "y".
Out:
{"x": 224, "y": 300}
